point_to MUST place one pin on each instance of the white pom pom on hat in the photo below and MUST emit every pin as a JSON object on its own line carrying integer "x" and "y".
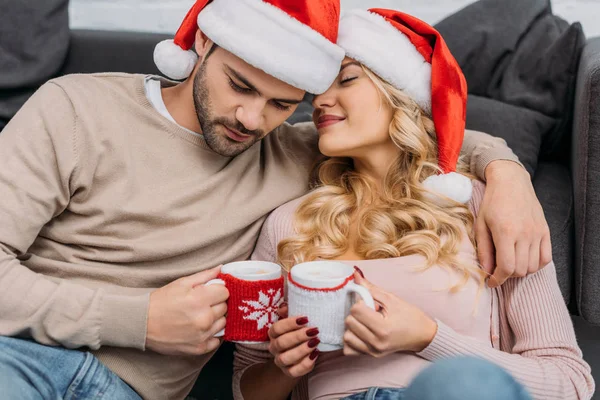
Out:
{"x": 452, "y": 185}
{"x": 173, "y": 61}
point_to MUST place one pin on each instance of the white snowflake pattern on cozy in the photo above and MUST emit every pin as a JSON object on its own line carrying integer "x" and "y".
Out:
{"x": 263, "y": 311}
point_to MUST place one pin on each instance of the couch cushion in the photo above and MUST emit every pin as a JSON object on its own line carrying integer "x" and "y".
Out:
{"x": 483, "y": 36}
{"x": 586, "y": 172}
{"x": 519, "y": 126}
{"x": 34, "y": 39}
{"x": 107, "y": 51}
{"x": 542, "y": 76}
{"x": 552, "y": 184}
{"x": 517, "y": 52}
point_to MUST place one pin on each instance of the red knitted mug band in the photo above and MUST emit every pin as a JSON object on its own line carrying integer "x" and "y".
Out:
{"x": 251, "y": 308}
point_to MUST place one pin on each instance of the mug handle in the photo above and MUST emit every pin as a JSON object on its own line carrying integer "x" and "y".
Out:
{"x": 363, "y": 292}
{"x": 221, "y": 333}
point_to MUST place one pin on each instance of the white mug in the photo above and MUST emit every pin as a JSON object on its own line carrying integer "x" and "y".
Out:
{"x": 254, "y": 295}
{"x": 320, "y": 290}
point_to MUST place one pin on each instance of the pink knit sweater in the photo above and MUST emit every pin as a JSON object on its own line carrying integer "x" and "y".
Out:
{"x": 529, "y": 331}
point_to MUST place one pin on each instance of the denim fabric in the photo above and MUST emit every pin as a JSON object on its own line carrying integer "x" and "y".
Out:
{"x": 461, "y": 378}
{"x": 31, "y": 371}
{"x": 376, "y": 393}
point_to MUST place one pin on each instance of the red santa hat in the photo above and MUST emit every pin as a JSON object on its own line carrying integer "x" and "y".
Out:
{"x": 413, "y": 57}
{"x": 292, "y": 40}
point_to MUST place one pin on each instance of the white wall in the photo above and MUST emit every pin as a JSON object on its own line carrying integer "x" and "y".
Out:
{"x": 165, "y": 15}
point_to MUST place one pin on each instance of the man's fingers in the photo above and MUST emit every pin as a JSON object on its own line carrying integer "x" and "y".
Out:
{"x": 545, "y": 251}
{"x": 217, "y": 326}
{"x": 485, "y": 246}
{"x": 534, "y": 257}
{"x": 213, "y": 294}
{"x": 202, "y": 277}
{"x": 219, "y": 310}
{"x": 505, "y": 261}
{"x": 209, "y": 346}
{"x": 521, "y": 258}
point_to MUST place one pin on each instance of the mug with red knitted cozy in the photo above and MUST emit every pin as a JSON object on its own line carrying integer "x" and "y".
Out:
{"x": 256, "y": 291}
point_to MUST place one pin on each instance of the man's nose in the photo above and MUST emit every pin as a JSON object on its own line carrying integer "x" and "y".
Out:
{"x": 250, "y": 115}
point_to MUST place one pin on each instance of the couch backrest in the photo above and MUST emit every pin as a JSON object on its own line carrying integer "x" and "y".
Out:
{"x": 107, "y": 51}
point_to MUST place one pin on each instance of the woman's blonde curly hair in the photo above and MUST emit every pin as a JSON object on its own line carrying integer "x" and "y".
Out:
{"x": 394, "y": 220}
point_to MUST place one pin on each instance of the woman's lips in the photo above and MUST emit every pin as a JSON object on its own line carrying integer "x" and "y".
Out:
{"x": 328, "y": 120}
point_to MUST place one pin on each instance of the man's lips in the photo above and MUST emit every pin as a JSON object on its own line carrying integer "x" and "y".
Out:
{"x": 328, "y": 120}
{"x": 235, "y": 135}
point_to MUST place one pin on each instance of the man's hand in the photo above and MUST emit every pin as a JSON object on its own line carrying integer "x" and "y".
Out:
{"x": 511, "y": 231}
{"x": 184, "y": 316}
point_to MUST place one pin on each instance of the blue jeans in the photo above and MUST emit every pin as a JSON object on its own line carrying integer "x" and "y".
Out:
{"x": 461, "y": 378}
{"x": 31, "y": 371}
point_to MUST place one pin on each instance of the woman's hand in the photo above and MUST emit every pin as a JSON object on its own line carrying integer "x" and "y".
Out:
{"x": 293, "y": 344}
{"x": 398, "y": 326}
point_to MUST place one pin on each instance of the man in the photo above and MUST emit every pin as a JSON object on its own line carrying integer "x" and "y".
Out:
{"x": 118, "y": 189}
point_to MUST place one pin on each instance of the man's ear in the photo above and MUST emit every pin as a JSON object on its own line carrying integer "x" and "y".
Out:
{"x": 202, "y": 44}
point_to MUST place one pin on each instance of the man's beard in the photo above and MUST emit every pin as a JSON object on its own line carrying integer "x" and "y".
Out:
{"x": 220, "y": 143}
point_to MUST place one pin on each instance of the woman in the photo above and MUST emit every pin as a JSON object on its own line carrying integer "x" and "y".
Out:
{"x": 388, "y": 199}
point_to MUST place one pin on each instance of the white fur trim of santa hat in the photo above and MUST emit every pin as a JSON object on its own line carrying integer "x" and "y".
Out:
{"x": 270, "y": 39}
{"x": 370, "y": 39}
{"x": 452, "y": 185}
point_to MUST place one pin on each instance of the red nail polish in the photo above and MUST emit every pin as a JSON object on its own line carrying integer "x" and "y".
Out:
{"x": 284, "y": 304}
{"x": 314, "y": 354}
{"x": 302, "y": 321}
{"x": 359, "y": 271}
{"x": 312, "y": 332}
{"x": 313, "y": 342}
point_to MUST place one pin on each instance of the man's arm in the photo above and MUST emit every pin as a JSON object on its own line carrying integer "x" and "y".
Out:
{"x": 513, "y": 238}
{"x": 38, "y": 174}
{"x": 39, "y": 168}
{"x": 479, "y": 150}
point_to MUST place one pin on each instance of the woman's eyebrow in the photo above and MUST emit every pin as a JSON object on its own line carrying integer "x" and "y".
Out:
{"x": 349, "y": 64}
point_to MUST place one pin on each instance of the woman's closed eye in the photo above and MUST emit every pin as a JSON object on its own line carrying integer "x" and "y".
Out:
{"x": 347, "y": 79}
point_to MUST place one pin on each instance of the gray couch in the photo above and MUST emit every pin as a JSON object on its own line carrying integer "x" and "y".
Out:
{"x": 568, "y": 190}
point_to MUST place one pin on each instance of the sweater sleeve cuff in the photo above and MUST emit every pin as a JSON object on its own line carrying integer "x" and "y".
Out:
{"x": 490, "y": 154}
{"x": 443, "y": 345}
{"x": 124, "y": 321}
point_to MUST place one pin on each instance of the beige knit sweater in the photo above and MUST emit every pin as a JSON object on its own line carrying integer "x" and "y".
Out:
{"x": 102, "y": 200}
